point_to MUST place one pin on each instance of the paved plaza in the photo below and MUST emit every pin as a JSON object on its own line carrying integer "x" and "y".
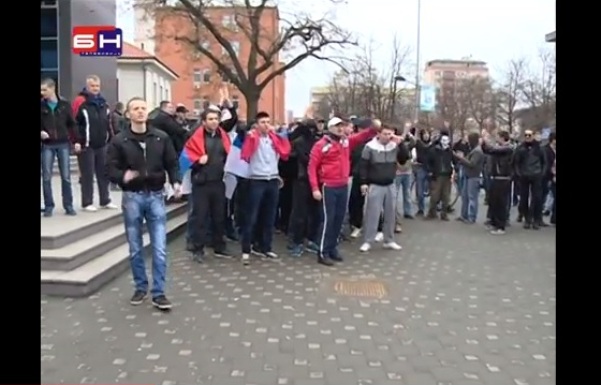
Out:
{"x": 456, "y": 306}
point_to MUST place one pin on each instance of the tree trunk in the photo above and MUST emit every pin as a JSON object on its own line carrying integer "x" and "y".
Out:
{"x": 252, "y": 104}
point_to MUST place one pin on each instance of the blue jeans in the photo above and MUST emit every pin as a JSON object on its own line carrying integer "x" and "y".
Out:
{"x": 470, "y": 193}
{"x": 421, "y": 186}
{"x": 262, "y": 202}
{"x": 49, "y": 153}
{"x": 149, "y": 206}
{"x": 333, "y": 209}
{"x": 403, "y": 185}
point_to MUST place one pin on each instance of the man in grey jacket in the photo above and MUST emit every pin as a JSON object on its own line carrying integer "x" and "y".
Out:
{"x": 472, "y": 164}
{"x": 377, "y": 171}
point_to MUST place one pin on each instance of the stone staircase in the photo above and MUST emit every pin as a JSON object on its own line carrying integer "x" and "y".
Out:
{"x": 81, "y": 254}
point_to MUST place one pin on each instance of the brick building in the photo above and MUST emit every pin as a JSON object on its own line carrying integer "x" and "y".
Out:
{"x": 199, "y": 80}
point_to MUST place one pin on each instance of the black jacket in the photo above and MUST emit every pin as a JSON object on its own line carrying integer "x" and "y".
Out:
{"x": 422, "y": 149}
{"x": 302, "y": 140}
{"x": 212, "y": 171}
{"x": 167, "y": 123}
{"x": 58, "y": 124}
{"x": 529, "y": 160}
{"x": 118, "y": 122}
{"x": 550, "y": 160}
{"x": 500, "y": 158}
{"x": 125, "y": 153}
{"x": 93, "y": 120}
{"x": 440, "y": 161}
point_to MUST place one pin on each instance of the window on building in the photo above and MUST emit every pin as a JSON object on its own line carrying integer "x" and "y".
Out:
{"x": 155, "y": 94}
{"x": 206, "y": 102}
{"x": 229, "y": 21}
{"x": 49, "y": 22}
{"x": 167, "y": 94}
{"x": 206, "y": 76}
{"x": 206, "y": 45}
{"x": 235, "y": 101}
{"x": 49, "y": 54}
{"x": 438, "y": 74}
{"x": 198, "y": 104}
{"x": 161, "y": 94}
{"x": 197, "y": 76}
{"x": 236, "y": 47}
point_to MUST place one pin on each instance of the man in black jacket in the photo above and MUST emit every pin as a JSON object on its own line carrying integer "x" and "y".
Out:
{"x": 530, "y": 166}
{"x": 138, "y": 160}
{"x": 500, "y": 173}
{"x": 420, "y": 171}
{"x": 92, "y": 114}
{"x": 166, "y": 121}
{"x": 440, "y": 168}
{"x": 304, "y": 208}
{"x": 57, "y": 133}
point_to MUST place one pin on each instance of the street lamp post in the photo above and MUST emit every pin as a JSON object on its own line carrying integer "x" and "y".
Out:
{"x": 397, "y": 79}
{"x": 417, "y": 59}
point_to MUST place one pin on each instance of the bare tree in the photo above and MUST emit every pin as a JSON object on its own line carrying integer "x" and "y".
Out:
{"x": 453, "y": 104}
{"x": 480, "y": 99}
{"x": 539, "y": 92}
{"x": 510, "y": 93}
{"x": 367, "y": 89}
{"x": 300, "y": 37}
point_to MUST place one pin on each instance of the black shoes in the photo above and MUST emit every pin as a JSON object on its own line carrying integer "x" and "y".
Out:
{"x": 138, "y": 297}
{"x": 161, "y": 302}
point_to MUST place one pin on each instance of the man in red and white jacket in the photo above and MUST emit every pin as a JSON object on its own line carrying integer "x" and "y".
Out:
{"x": 262, "y": 149}
{"x": 329, "y": 168}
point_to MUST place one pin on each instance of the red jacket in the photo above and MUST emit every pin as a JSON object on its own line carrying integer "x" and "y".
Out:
{"x": 251, "y": 143}
{"x": 330, "y": 159}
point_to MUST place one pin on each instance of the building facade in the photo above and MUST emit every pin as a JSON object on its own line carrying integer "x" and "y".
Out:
{"x": 58, "y": 17}
{"x": 143, "y": 75}
{"x": 442, "y": 72}
{"x": 199, "y": 79}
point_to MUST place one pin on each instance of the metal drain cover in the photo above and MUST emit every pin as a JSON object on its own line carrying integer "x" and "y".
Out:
{"x": 363, "y": 288}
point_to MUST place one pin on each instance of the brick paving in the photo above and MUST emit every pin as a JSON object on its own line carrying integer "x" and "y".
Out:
{"x": 461, "y": 307}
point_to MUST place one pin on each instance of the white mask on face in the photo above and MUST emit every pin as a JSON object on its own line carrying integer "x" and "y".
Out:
{"x": 445, "y": 141}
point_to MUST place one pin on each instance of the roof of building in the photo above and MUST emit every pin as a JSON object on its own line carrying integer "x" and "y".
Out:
{"x": 131, "y": 52}
{"x": 455, "y": 62}
{"x": 550, "y": 37}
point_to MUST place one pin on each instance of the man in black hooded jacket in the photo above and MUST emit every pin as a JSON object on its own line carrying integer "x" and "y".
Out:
{"x": 304, "y": 207}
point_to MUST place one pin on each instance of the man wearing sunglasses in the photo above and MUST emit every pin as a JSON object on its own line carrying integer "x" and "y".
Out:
{"x": 530, "y": 166}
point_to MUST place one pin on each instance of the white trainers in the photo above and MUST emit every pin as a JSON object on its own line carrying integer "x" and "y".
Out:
{"x": 365, "y": 247}
{"x": 356, "y": 232}
{"x": 392, "y": 246}
{"x": 245, "y": 259}
{"x": 90, "y": 209}
{"x": 379, "y": 237}
{"x": 110, "y": 206}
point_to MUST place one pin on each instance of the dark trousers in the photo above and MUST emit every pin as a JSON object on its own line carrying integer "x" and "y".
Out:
{"x": 303, "y": 218}
{"x": 515, "y": 196}
{"x": 285, "y": 206}
{"x": 440, "y": 191}
{"x": 240, "y": 202}
{"x": 499, "y": 193}
{"x": 356, "y": 204}
{"x": 553, "y": 208}
{"x": 209, "y": 203}
{"x": 333, "y": 208}
{"x": 531, "y": 199}
{"x": 91, "y": 163}
{"x": 261, "y": 206}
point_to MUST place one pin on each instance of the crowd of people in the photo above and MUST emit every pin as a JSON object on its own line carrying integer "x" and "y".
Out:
{"x": 315, "y": 180}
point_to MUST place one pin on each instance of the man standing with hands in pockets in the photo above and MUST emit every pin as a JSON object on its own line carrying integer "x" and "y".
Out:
{"x": 137, "y": 160}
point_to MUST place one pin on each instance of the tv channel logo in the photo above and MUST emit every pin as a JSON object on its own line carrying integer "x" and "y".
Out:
{"x": 97, "y": 41}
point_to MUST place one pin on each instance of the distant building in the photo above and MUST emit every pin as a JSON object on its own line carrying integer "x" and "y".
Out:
{"x": 442, "y": 72}
{"x": 140, "y": 73}
{"x": 550, "y": 37}
{"x": 199, "y": 79}
{"x": 58, "y": 62}
{"x": 318, "y": 95}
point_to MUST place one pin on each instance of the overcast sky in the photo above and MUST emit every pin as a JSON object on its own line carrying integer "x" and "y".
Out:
{"x": 494, "y": 31}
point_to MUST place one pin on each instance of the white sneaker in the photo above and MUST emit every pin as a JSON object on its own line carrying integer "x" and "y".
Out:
{"x": 379, "y": 237}
{"x": 90, "y": 209}
{"x": 356, "y": 232}
{"x": 246, "y": 259}
{"x": 110, "y": 206}
{"x": 365, "y": 247}
{"x": 392, "y": 246}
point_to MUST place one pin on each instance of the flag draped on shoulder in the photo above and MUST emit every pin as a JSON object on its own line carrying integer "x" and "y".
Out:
{"x": 195, "y": 148}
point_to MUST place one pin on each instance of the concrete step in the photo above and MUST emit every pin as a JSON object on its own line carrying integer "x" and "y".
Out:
{"x": 93, "y": 243}
{"x": 90, "y": 276}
